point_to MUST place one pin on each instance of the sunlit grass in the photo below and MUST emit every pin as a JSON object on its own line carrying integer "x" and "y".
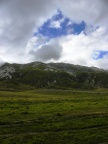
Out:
{"x": 53, "y": 116}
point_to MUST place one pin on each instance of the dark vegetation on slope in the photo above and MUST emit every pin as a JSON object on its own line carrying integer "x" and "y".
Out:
{"x": 52, "y": 75}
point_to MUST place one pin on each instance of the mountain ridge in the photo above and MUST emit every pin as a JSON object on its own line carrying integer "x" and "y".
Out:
{"x": 52, "y": 75}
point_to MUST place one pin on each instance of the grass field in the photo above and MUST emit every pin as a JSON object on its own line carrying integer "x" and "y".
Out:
{"x": 53, "y": 117}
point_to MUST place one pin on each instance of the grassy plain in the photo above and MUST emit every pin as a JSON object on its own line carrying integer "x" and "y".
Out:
{"x": 54, "y": 117}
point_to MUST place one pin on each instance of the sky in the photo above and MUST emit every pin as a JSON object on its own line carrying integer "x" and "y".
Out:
{"x": 69, "y": 31}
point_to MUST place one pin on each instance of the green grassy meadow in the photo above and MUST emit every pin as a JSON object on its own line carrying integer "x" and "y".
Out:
{"x": 54, "y": 117}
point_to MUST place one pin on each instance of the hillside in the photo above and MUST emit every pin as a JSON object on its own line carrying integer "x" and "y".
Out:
{"x": 51, "y": 75}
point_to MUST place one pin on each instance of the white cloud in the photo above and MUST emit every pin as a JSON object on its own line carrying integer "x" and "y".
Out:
{"x": 70, "y": 23}
{"x": 77, "y": 49}
{"x": 20, "y": 18}
{"x": 103, "y": 63}
{"x": 55, "y": 24}
{"x": 80, "y": 49}
{"x": 36, "y": 42}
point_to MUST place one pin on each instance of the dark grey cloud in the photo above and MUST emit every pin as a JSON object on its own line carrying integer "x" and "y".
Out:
{"x": 47, "y": 52}
{"x": 21, "y": 18}
{"x": 91, "y": 11}
{"x": 103, "y": 10}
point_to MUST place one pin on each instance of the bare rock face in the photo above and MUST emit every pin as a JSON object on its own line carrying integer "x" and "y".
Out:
{"x": 53, "y": 75}
{"x": 6, "y": 72}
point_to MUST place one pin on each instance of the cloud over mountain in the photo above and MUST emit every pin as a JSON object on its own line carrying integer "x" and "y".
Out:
{"x": 46, "y": 52}
{"x": 20, "y": 19}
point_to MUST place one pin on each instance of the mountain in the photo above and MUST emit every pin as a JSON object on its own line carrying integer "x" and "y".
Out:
{"x": 52, "y": 75}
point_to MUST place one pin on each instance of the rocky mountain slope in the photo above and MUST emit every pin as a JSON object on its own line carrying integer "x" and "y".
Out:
{"x": 52, "y": 75}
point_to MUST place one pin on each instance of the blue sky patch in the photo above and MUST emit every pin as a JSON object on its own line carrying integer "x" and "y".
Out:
{"x": 59, "y": 25}
{"x": 99, "y": 54}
